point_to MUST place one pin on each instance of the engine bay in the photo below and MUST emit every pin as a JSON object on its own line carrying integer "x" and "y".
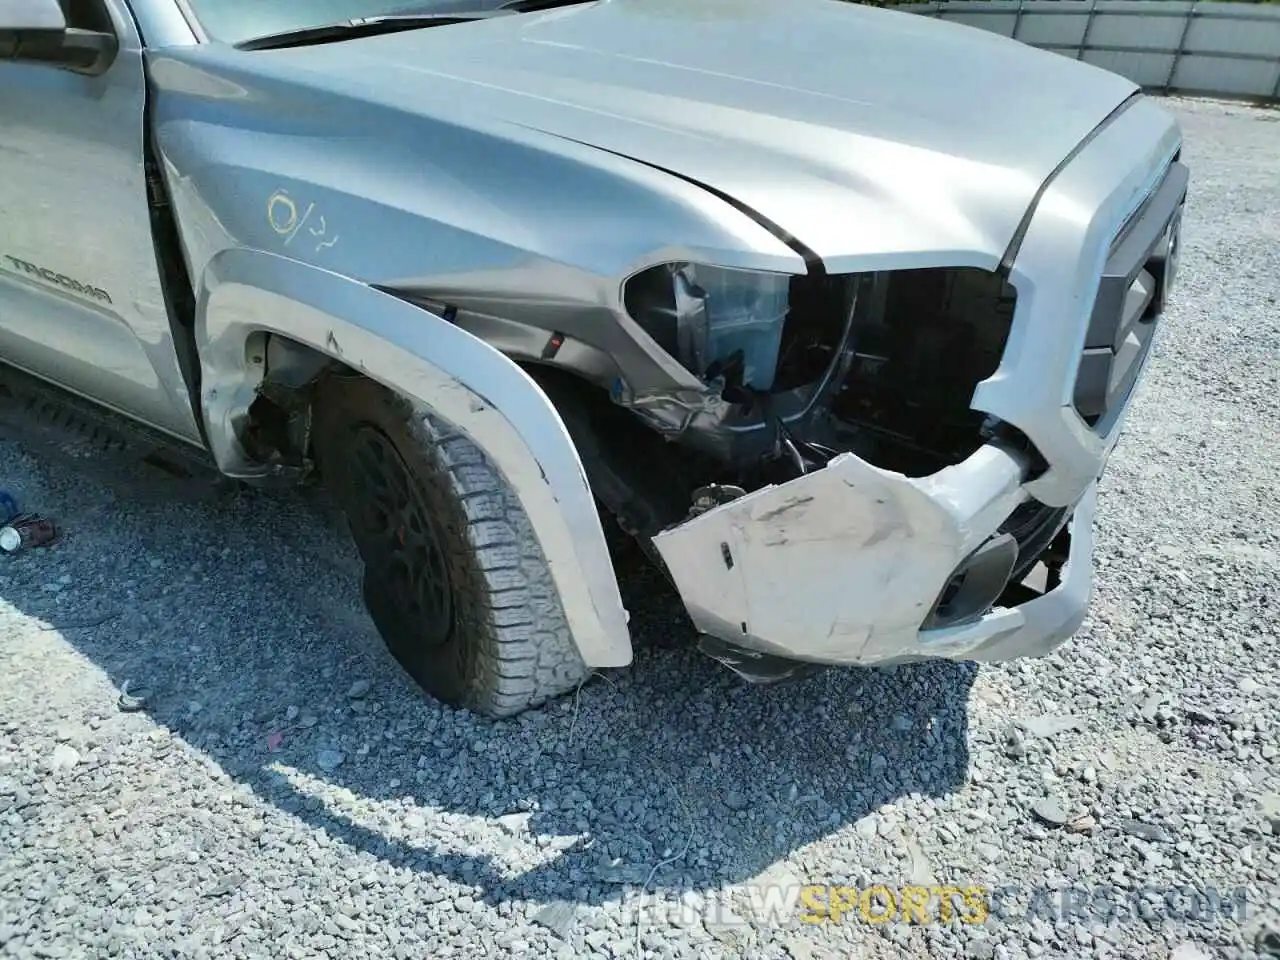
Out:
{"x": 883, "y": 365}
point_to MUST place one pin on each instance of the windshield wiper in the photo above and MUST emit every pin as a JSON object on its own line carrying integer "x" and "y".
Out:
{"x": 366, "y": 27}
{"x": 532, "y": 6}
{"x": 391, "y": 23}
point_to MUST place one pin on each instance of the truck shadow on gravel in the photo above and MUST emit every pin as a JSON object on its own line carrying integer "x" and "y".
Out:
{"x": 238, "y": 613}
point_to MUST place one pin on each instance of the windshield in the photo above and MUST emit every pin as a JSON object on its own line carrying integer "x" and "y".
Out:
{"x": 232, "y": 21}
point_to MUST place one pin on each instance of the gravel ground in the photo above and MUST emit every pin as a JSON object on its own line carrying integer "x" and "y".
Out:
{"x": 283, "y": 790}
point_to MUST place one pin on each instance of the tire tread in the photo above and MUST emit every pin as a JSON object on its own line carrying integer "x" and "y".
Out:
{"x": 532, "y": 657}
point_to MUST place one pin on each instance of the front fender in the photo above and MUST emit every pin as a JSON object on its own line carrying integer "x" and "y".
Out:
{"x": 430, "y": 361}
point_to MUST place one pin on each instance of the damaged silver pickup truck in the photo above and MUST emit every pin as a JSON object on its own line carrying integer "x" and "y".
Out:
{"x": 837, "y": 310}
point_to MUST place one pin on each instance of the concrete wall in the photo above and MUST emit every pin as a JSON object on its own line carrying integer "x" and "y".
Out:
{"x": 1230, "y": 49}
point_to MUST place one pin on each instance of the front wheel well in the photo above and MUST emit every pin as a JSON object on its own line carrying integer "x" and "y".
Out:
{"x": 642, "y": 480}
{"x": 275, "y": 427}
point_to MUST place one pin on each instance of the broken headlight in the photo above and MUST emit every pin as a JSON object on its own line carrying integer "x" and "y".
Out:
{"x": 714, "y": 320}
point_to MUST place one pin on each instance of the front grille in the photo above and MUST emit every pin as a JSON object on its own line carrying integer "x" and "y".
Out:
{"x": 1131, "y": 297}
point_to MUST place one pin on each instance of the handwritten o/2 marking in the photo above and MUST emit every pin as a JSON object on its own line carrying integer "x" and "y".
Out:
{"x": 320, "y": 232}
{"x": 282, "y": 215}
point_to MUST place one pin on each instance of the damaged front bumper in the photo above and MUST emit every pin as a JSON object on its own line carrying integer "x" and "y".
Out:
{"x": 853, "y": 564}
{"x": 847, "y": 565}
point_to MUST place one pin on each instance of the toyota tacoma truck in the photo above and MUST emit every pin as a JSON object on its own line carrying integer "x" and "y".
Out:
{"x": 836, "y": 310}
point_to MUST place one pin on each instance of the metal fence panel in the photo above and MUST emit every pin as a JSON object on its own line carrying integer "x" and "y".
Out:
{"x": 1050, "y": 22}
{"x": 1149, "y": 70}
{"x": 1170, "y": 45}
{"x": 997, "y": 21}
{"x": 1257, "y": 36}
{"x": 1241, "y": 78}
{"x": 1161, "y": 29}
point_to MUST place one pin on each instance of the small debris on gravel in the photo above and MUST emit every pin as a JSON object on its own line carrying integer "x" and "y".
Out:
{"x": 1015, "y": 745}
{"x": 558, "y": 917}
{"x": 514, "y": 823}
{"x": 1084, "y": 823}
{"x": 1200, "y": 714}
{"x": 1046, "y": 727}
{"x": 1050, "y": 811}
{"x": 1152, "y": 704}
{"x": 1145, "y": 831}
{"x": 63, "y": 758}
{"x": 1270, "y": 804}
{"x": 329, "y": 760}
{"x": 129, "y": 702}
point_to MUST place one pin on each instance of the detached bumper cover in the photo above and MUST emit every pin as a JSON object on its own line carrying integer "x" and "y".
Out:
{"x": 848, "y": 564}
{"x": 842, "y": 566}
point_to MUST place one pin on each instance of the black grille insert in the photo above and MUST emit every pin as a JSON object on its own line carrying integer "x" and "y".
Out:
{"x": 1131, "y": 296}
{"x": 1033, "y": 525}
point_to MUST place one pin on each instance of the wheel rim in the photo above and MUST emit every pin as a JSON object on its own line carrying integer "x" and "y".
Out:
{"x": 401, "y": 538}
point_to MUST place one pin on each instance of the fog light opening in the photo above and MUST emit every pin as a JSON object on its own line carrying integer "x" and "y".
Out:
{"x": 976, "y": 584}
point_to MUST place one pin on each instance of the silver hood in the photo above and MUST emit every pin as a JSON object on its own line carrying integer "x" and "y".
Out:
{"x": 869, "y": 135}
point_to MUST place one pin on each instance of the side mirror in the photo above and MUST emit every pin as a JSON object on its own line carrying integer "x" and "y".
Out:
{"x": 36, "y": 31}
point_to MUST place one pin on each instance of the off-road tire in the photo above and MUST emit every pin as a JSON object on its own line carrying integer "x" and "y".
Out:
{"x": 507, "y": 647}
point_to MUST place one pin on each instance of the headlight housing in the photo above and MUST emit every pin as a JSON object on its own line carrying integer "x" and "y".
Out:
{"x": 712, "y": 318}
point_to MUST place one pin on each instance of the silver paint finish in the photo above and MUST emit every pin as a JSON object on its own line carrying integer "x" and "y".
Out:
{"x": 73, "y": 201}
{"x": 435, "y": 199}
{"x": 32, "y": 15}
{"x": 164, "y": 23}
{"x": 1056, "y": 275}
{"x": 873, "y": 136}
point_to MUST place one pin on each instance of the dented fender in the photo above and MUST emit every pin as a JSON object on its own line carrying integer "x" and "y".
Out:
{"x": 436, "y": 364}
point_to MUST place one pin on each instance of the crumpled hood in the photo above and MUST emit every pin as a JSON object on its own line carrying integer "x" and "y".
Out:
{"x": 868, "y": 135}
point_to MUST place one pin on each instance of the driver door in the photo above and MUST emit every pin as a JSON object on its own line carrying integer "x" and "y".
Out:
{"x": 81, "y": 300}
